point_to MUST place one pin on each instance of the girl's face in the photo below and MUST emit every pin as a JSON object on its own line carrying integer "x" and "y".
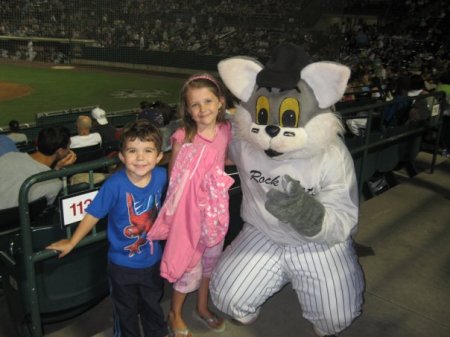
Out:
{"x": 140, "y": 158}
{"x": 203, "y": 106}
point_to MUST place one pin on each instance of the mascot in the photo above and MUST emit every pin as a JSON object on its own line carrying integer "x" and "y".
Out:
{"x": 300, "y": 199}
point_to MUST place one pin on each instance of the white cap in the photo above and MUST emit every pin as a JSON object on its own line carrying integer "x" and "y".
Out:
{"x": 99, "y": 115}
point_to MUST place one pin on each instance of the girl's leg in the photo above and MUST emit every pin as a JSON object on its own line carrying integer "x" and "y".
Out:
{"x": 202, "y": 299}
{"x": 189, "y": 282}
{"x": 210, "y": 258}
{"x": 175, "y": 318}
{"x": 203, "y": 311}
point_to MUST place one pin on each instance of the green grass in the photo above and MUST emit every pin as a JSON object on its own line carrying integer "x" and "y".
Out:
{"x": 63, "y": 89}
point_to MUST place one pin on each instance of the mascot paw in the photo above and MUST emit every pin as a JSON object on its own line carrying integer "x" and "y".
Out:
{"x": 294, "y": 206}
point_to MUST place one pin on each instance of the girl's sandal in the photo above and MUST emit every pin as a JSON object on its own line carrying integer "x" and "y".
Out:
{"x": 173, "y": 332}
{"x": 213, "y": 323}
{"x": 179, "y": 332}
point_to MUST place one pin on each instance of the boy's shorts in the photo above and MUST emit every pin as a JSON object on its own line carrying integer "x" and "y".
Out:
{"x": 190, "y": 280}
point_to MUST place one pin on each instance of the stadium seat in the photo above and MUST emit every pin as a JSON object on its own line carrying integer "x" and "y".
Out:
{"x": 10, "y": 220}
{"x": 28, "y": 147}
{"x": 88, "y": 153}
{"x": 10, "y": 224}
{"x": 65, "y": 287}
{"x": 110, "y": 147}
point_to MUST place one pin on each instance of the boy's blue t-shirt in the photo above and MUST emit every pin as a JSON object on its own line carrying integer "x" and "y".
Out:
{"x": 131, "y": 211}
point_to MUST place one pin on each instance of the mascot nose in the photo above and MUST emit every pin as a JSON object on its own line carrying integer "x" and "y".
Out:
{"x": 272, "y": 130}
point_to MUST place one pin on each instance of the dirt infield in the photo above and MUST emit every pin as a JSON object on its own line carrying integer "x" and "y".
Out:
{"x": 10, "y": 90}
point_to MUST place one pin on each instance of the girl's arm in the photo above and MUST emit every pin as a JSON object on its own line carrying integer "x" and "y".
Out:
{"x": 228, "y": 162}
{"x": 65, "y": 246}
{"x": 176, "y": 147}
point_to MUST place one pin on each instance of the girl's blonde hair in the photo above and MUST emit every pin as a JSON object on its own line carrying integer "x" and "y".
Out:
{"x": 196, "y": 82}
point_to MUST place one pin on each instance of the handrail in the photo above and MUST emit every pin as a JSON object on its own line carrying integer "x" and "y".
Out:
{"x": 29, "y": 258}
{"x": 378, "y": 109}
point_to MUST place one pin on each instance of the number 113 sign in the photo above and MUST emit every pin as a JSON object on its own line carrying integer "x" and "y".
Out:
{"x": 73, "y": 207}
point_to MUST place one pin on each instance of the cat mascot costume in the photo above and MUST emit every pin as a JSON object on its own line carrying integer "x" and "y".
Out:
{"x": 300, "y": 198}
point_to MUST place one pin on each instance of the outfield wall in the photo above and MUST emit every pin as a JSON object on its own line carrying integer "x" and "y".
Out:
{"x": 84, "y": 52}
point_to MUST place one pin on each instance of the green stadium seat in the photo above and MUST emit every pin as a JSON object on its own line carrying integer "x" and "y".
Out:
{"x": 88, "y": 153}
{"x": 65, "y": 287}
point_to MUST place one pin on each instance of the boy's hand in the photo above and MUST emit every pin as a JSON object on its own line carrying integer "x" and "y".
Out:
{"x": 64, "y": 247}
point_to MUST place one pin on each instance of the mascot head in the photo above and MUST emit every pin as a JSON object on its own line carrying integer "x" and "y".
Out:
{"x": 285, "y": 105}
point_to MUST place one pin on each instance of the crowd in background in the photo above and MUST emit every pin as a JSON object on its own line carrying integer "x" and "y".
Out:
{"x": 403, "y": 31}
{"x": 406, "y": 38}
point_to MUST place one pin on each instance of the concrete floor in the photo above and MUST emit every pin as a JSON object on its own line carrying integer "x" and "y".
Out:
{"x": 407, "y": 279}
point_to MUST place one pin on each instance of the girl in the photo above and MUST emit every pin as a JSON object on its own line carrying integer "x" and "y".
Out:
{"x": 194, "y": 217}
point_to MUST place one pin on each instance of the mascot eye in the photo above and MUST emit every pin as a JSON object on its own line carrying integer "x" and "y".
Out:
{"x": 262, "y": 110}
{"x": 289, "y": 113}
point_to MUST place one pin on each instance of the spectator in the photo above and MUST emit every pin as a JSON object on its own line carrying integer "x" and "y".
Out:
{"x": 85, "y": 137}
{"x": 152, "y": 113}
{"x": 52, "y": 152}
{"x": 107, "y": 131}
{"x": 7, "y": 145}
{"x": 14, "y": 134}
{"x": 397, "y": 113}
{"x": 420, "y": 109}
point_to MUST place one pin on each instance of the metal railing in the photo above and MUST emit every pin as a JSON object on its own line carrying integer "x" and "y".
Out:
{"x": 29, "y": 256}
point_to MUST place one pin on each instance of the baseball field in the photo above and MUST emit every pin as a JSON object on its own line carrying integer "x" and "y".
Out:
{"x": 28, "y": 88}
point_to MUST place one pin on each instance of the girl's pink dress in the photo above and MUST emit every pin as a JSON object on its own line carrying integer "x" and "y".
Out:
{"x": 195, "y": 213}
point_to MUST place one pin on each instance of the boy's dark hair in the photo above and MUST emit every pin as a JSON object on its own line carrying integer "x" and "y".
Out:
{"x": 52, "y": 138}
{"x": 14, "y": 126}
{"x": 142, "y": 129}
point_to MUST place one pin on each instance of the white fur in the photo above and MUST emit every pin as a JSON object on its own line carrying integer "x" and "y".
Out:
{"x": 239, "y": 75}
{"x": 328, "y": 81}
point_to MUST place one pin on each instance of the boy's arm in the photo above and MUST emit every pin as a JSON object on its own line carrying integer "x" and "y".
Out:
{"x": 65, "y": 246}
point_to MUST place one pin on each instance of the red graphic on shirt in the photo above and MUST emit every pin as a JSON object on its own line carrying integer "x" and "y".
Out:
{"x": 139, "y": 226}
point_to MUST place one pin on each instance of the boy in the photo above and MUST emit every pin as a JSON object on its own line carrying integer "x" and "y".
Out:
{"x": 131, "y": 198}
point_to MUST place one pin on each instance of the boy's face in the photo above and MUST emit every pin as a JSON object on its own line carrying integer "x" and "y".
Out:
{"x": 139, "y": 158}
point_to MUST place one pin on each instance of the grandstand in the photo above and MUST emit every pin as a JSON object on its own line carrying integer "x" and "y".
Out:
{"x": 75, "y": 55}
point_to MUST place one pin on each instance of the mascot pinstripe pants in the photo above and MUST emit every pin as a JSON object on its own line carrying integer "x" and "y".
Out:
{"x": 328, "y": 279}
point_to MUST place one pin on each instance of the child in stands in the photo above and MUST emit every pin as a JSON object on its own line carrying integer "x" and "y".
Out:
{"x": 131, "y": 198}
{"x": 194, "y": 217}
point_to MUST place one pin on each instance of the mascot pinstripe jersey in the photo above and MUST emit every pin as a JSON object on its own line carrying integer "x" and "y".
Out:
{"x": 300, "y": 201}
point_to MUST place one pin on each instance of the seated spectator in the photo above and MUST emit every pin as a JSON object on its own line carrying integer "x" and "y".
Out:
{"x": 152, "y": 113}
{"x": 7, "y": 145}
{"x": 107, "y": 131}
{"x": 15, "y": 167}
{"x": 397, "y": 113}
{"x": 14, "y": 134}
{"x": 420, "y": 109}
{"x": 85, "y": 137}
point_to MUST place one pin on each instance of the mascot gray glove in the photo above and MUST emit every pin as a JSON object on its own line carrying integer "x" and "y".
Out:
{"x": 296, "y": 207}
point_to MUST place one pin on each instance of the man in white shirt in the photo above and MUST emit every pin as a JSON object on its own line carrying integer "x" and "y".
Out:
{"x": 84, "y": 137}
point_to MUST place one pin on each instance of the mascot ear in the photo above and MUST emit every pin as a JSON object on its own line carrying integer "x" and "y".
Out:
{"x": 239, "y": 75}
{"x": 328, "y": 81}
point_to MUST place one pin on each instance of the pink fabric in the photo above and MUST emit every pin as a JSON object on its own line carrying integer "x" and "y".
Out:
{"x": 190, "y": 280}
{"x": 195, "y": 212}
{"x": 219, "y": 143}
